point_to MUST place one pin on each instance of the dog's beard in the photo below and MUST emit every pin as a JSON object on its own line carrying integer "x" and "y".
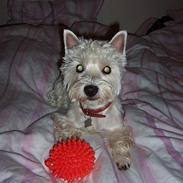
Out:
{"x": 105, "y": 94}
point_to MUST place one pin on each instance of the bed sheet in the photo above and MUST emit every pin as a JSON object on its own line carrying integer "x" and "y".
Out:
{"x": 28, "y": 69}
{"x": 152, "y": 101}
{"x": 28, "y": 56}
{"x": 152, "y": 98}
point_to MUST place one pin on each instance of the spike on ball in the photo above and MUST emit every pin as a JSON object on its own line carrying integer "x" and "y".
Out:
{"x": 71, "y": 159}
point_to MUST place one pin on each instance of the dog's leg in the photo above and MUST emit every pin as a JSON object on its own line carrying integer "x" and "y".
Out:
{"x": 63, "y": 127}
{"x": 57, "y": 96}
{"x": 120, "y": 142}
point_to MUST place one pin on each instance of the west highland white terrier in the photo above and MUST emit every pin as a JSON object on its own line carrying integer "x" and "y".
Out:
{"x": 92, "y": 73}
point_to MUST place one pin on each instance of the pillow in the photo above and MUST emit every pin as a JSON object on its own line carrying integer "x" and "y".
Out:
{"x": 145, "y": 26}
{"x": 31, "y": 11}
{"x": 92, "y": 29}
{"x": 176, "y": 14}
{"x": 53, "y": 11}
{"x": 69, "y": 11}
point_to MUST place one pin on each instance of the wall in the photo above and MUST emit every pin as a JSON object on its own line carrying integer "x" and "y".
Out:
{"x": 131, "y": 13}
{"x": 3, "y": 12}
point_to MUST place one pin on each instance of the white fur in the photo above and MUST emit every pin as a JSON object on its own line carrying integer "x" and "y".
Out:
{"x": 94, "y": 56}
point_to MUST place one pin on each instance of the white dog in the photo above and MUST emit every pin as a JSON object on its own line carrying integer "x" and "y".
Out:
{"x": 92, "y": 74}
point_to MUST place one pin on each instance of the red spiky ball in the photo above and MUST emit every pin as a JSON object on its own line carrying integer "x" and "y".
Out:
{"x": 71, "y": 159}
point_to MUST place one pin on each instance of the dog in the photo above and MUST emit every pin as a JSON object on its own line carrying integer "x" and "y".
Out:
{"x": 88, "y": 93}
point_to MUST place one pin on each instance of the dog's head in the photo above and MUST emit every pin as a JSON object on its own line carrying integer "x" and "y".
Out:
{"x": 93, "y": 69}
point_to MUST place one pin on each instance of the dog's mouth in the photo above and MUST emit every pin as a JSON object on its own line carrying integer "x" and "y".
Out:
{"x": 94, "y": 101}
{"x": 92, "y": 98}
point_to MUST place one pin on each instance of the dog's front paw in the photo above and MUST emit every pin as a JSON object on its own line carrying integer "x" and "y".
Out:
{"x": 122, "y": 157}
{"x": 123, "y": 162}
{"x": 121, "y": 142}
{"x": 63, "y": 128}
{"x": 66, "y": 132}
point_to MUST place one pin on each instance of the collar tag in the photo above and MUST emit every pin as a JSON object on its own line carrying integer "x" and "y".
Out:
{"x": 88, "y": 122}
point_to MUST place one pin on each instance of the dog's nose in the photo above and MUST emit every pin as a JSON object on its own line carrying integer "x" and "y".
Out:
{"x": 90, "y": 90}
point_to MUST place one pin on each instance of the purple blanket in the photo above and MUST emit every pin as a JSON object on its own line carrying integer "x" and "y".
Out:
{"x": 152, "y": 99}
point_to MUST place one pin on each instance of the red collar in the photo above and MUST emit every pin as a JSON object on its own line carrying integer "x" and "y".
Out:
{"x": 95, "y": 112}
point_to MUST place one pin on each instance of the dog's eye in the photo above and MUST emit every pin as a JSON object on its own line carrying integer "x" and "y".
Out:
{"x": 79, "y": 68}
{"x": 106, "y": 70}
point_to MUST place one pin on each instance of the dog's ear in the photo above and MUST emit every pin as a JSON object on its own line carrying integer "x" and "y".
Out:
{"x": 70, "y": 39}
{"x": 119, "y": 41}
